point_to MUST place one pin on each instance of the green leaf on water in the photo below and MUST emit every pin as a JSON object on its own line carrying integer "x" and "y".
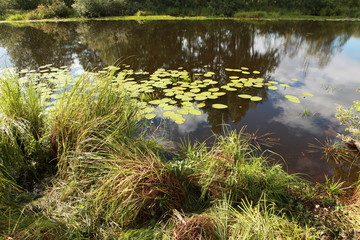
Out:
{"x": 219, "y": 93}
{"x": 219, "y": 106}
{"x": 245, "y": 96}
{"x": 200, "y": 97}
{"x": 256, "y": 72}
{"x": 307, "y": 94}
{"x": 272, "y": 88}
{"x": 213, "y": 89}
{"x": 212, "y": 96}
{"x": 149, "y": 109}
{"x": 256, "y": 99}
{"x": 292, "y": 98}
{"x": 201, "y": 105}
{"x": 150, "y": 116}
{"x": 294, "y": 79}
{"x": 168, "y": 107}
{"x": 183, "y": 111}
{"x": 195, "y": 112}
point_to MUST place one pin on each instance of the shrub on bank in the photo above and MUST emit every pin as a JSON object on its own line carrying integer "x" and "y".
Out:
{"x": 100, "y": 8}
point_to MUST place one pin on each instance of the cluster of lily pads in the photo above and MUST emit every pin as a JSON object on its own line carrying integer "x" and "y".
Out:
{"x": 170, "y": 93}
{"x": 176, "y": 93}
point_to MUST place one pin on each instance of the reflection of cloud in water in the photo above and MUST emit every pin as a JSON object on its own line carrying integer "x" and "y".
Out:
{"x": 263, "y": 43}
{"x": 341, "y": 77}
{"x": 76, "y": 68}
{"x": 4, "y": 59}
{"x": 192, "y": 123}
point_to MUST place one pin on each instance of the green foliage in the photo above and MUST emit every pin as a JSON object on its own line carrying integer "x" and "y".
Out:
{"x": 255, "y": 221}
{"x": 350, "y": 117}
{"x": 26, "y": 4}
{"x": 22, "y": 129}
{"x": 56, "y": 8}
{"x": 100, "y": 8}
{"x": 234, "y": 169}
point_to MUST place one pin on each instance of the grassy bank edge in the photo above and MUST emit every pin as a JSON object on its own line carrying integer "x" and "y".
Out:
{"x": 168, "y": 17}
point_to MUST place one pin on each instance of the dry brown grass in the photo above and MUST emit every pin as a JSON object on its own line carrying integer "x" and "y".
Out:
{"x": 197, "y": 227}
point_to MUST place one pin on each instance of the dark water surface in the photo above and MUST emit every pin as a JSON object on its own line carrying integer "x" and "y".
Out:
{"x": 323, "y": 56}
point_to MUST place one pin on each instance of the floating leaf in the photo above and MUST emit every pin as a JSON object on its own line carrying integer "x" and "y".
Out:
{"x": 272, "y": 87}
{"x": 284, "y": 85}
{"x": 178, "y": 119}
{"x": 149, "y": 109}
{"x": 150, "y": 116}
{"x": 168, "y": 107}
{"x": 292, "y": 98}
{"x": 201, "y": 105}
{"x": 273, "y": 82}
{"x": 213, "y": 97}
{"x": 256, "y": 72}
{"x": 200, "y": 97}
{"x": 195, "y": 112}
{"x": 231, "y": 89}
{"x": 307, "y": 94}
{"x": 219, "y": 106}
{"x": 256, "y": 99}
{"x": 219, "y": 93}
{"x": 245, "y": 96}
{"x": 183, "y": 111}
{"x": 294, "y": 79}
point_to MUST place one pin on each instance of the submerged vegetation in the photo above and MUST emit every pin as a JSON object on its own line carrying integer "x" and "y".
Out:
{"x": 75, "y": 163}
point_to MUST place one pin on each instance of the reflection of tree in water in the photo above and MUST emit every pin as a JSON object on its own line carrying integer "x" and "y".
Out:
{"x": 186, "y": 44}
{"x": 320, "y": 39}
{"x": 30, "y": 47}
{"x": 173, "y": 44}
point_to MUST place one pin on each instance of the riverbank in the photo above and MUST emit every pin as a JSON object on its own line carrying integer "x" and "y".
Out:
{"x": 78, "y": 161}
{"x": 245, "y": 16}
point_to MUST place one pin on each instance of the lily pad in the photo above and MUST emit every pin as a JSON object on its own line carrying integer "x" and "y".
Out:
{"x": 219, "y": 106}
{"x": 256, "y": 99}
{"x": 292, "y": 98}
{"x": 201, "y": 105}
{"x": 150, "y": 116}
{"x": 195, "y": 112}
{"x": 307, "y": 94}
{"x": 213, "y": 89}
{"x": 245, "y": 96}
{"x": 149, "y": 109}
{"x": 272, "y": 87}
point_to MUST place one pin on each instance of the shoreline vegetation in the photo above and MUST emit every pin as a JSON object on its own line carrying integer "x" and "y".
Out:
{"x": 191, "y": 9}
{"x": 189, "y": 18}
{"x": 77, "y": 161}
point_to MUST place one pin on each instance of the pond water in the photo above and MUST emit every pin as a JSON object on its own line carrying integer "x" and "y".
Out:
{"x": 323, "y": 57}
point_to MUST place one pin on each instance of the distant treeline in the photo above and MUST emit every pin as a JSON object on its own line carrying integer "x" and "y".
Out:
{"x": 228, "y": 8}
